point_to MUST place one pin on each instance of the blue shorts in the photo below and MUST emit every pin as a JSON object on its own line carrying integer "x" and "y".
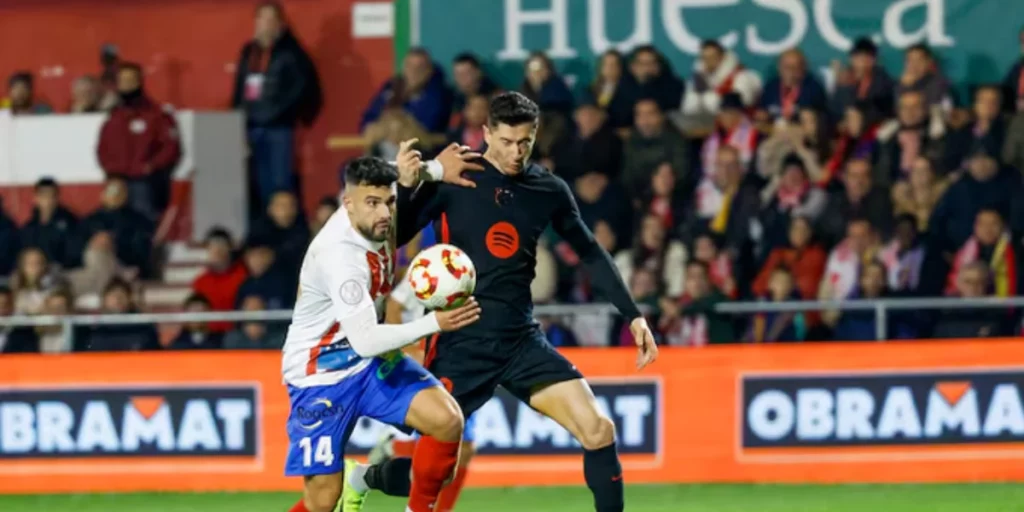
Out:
{"x": 322, "y": 417}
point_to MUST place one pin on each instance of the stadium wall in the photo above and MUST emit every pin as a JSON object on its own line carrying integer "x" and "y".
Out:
{"x": 893, "y": 412}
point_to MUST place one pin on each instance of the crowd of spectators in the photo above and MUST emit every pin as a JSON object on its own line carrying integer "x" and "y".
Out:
{"x": 718, "y": 186}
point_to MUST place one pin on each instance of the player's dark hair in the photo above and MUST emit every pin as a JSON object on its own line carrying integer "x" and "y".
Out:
{"x": 512, "y": 108}
{"x": 467, "y": 58}
{"x": 46, "y": 182}
{"x": 713, "y": 44}
{"x": 370, "y": 171}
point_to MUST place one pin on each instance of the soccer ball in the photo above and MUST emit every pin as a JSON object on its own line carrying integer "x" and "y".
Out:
{"x": 442, "y": 277}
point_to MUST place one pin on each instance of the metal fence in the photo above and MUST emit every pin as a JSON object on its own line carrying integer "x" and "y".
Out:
{"x": 881, "y": 308}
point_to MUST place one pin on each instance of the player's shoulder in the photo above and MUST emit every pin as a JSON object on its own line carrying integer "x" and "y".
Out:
{"x": 543, "y": 177}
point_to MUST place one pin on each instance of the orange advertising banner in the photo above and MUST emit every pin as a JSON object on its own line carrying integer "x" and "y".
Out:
{"x": 886, "y": 412}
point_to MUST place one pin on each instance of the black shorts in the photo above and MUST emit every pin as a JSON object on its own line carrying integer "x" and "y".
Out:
{"x": 472, "y": 368}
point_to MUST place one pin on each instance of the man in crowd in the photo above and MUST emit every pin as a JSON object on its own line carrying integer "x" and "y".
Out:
{"x": 716, "y": 73}
{"x": 792, "y": 89}
{"x": 652, "y": 141}
{"x": 921, "y": 74}
{"x": 470, "y": 80}
{"x": 859, "y": 198}
{"x": 223, "y": 276}
{"x": 21, "y": 96}
{"x": 52, "y": 226}
{"x": 420, "y": 90}
{"x": 865, "y": 81}
{"x": 140, "y": 142}
{"x": 132, "y": 231}
{"x": 282, "y": 229}
{"x": 915, "y": 132}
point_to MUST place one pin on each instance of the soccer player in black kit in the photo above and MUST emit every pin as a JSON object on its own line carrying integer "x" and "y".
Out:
{"x": 497, "y": 220}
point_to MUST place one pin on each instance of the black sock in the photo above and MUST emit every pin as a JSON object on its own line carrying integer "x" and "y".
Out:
{"x": 390, "y": 477}
{"x": 603, "y": 472}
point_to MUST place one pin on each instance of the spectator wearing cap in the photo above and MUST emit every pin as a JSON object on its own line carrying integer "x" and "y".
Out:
{"x": 791, "y": 89}
{"x": 223, "y": 276}
{"x": 858, "y": 198}
{"x": 132, "y": 231}
{"x": 921, "y": 74}
{"x": 284, "y": 230}
{"x": 10, "y": 240}
{"x": 652, "y": 142}
{"x": 865, "y": 81}
{"x": 732, "y": 128}
{"x": 254, "y": 335}
{"x": 139, "y": 141}
{"x": 984, "y": 186}
{"x": 857, "y": 138}
{"x": 716, "y": 74}
{"x": 650, "y": 77}
{"x": 987, "y": 128}
{"x": 20, "y": 98}
{"x": 14, "y": 340}
{"x": 196, "y": 335}
{"x": 266, "y": 280}
{"x": 470, "y": 80}
{"x": 52, "y": 226}
{"x": 593, "y": 147}
{"x": 991, "y": 243}
{"x": 791, "y": 195}
{"x": 915, "y": 132}
{"x": 324, "y": 210}
{"x": 117, "y": 300}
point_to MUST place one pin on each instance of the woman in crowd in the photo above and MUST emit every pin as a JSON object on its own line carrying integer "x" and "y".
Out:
{"x": 655, "y": 252}
{"x": 802, "y": 255}
{"x": 31, "y": 281}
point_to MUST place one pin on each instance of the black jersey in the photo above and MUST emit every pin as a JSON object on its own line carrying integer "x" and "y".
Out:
{"x": 498, "y": 225}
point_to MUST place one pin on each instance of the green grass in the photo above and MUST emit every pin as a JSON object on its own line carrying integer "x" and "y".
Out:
{"x": 680, "y": 498}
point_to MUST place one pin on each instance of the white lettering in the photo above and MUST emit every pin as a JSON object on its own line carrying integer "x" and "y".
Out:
{"x": 798, "y": 20}
{"x": 17, "y": 429}
{"x": 770, "y": 415}
{"x": 827, "y": 26}
{"x": 596, "y": 26}
{"x": 137, "y": 429}
{"x": 492, "y": 427}
{"x": 556, "y": 17}
{"x": 941, "y": 415}
{"x": 854, "y": 407}
{"x": 198, "y": 429}
{"x": 96, "y": 428}
{"x": 55, "y": 420}
{"x": 675, "y": 24}
{"x": 933, "y": 31}
{"x": 1004, "y": 412}
{"x": 234, "y": 412}
{"x": 814, "y": 418}
{"x": 532, "y": 426}
{"x": 899, "y": 415}
{"x": 633, "y": 410}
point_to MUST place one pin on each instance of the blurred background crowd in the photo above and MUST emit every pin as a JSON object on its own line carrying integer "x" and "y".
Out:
{"x": 707, "y": 185}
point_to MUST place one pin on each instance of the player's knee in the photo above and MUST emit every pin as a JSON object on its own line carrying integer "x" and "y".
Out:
{"x": 322, "y": 496}
{"x": 597, "y": 433}
{"x": 448, "y": 424}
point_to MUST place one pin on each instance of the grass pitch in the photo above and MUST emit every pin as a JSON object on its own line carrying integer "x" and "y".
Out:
{"x": 639, "y": 498}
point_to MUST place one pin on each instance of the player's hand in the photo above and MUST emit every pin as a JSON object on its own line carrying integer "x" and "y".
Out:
{"x": 455, "y": 160}
{"x": 647, "y": 350}
{"x": 455, "y": 319}
{"x": 409, "y": 162}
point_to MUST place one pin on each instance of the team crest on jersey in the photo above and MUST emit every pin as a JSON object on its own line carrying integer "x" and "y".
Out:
{"x": 351, "y": 292}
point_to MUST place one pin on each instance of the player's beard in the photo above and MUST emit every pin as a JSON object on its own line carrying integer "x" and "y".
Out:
{"x": 371, "y": 232}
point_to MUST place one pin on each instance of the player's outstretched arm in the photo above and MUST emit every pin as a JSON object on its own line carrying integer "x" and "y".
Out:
{"x": 370, "y": 338}
{"x": 604, "y": 275}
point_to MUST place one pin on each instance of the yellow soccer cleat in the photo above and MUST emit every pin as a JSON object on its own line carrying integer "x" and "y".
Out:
{"x": 352, "y": 500}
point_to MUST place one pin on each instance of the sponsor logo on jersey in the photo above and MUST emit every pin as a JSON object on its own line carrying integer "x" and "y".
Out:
{"x": 128, "y": 422}
{"x": 312, "y": 416}
{"x": 882, "y": 409}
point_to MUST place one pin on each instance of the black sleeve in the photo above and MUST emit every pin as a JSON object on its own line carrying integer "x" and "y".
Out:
{"x": 292, "y": 79}
{"x": 606, "y": 278}
{"x": 417, "y": 207}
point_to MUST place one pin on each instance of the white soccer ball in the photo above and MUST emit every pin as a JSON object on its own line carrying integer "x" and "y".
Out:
{"x": 442, "y": 277}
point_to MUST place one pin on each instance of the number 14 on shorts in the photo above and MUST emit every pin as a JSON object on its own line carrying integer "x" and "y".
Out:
{"x": 322, "y": 454}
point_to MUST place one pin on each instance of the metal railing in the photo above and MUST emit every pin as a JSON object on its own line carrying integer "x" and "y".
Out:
{"x": 881, "y": 308}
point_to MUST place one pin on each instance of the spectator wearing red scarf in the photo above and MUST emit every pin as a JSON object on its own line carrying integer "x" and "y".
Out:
{"x": 792, "y": 89}
{"x": 792, "y": 196}
{"x": 993, "y": 245}
{"x": 858, "y": 138}
{"x": 864, "y": 81}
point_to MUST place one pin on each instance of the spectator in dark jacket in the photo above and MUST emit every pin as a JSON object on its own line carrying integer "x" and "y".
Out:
{"x": 652, "y": 142}
{"x": 283, "y": 230}
{"x": 117, "y": 300}
{"x": 140, "y": 142}
{"x": 866, "y": 82}
{"x": 987, "y": 128}
{"x": 1013, "y": 84}
{"x": 196, "y": 335}
{"x": 10, "y": 240}
{"x": 921, "y": 74}
{"x": 859, "y": 198}
{"x": 274, "y": 81}
{"x": 914, "y": 133}
{"x": 266, "y": 280}
{"x": 21, "y": 96}
{"x": 223, "y": 276}
{"x": 792, "y": 89}
{"x": 862, "y": 325}
{"x": 543, "y": 85}
{"x": 470, "y": 80}
{"x": 650, "y": 77}
{"x": 14, "y": 340}
{"x": 420, "y": 90}
{"x": 974, "y": 282}
{"x": 52, "y": 227}
{"x": 132, "y": 231}
{"x": 594, "y": 147}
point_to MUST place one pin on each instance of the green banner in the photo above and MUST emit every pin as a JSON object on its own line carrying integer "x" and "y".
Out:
{"x": 976, "y": 40}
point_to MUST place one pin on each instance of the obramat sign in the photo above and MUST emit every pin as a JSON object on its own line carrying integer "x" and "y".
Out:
{"x": 874, "y": 412}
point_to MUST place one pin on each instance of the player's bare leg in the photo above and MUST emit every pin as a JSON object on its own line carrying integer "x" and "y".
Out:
{"x": 572, "y": 405}
{"x": 320, "y": 494}
{"x": 436, "y": 415}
